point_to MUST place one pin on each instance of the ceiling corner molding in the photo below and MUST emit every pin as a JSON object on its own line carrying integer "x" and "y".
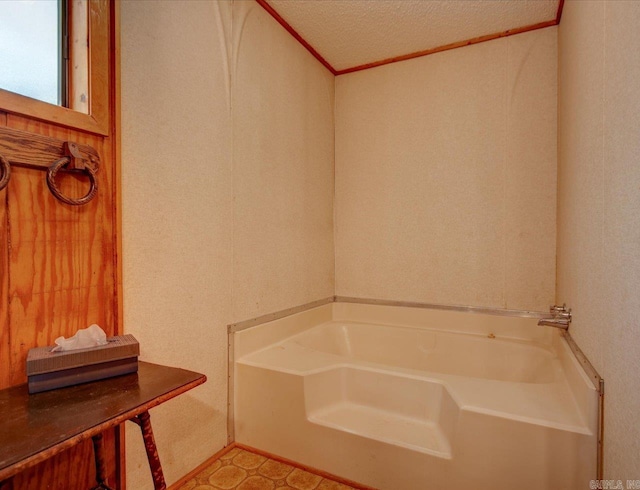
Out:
{"x": 559, "y": 14}
{"x": 458, "y": 44}
{"x": 270, "y": 10}
{"x": 447, "y": 47}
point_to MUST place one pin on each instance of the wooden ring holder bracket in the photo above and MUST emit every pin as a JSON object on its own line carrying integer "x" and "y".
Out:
{"x": 34, "y": 151}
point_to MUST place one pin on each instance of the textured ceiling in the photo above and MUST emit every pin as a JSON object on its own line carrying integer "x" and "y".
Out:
{"x": 350, "y": 33}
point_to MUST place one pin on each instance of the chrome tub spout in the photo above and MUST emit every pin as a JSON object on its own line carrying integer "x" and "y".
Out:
{"x": 562, "y": 323}
{"x": 560, "y": 317}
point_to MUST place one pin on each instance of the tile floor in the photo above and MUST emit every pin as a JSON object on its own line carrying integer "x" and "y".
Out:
{"x": 243, "y": 470}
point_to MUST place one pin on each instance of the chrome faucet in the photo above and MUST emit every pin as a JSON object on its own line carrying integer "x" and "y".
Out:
{"x": 560, "y": 317}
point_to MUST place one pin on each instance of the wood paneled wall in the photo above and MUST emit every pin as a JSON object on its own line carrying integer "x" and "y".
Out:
{"x": 59, "y": 272}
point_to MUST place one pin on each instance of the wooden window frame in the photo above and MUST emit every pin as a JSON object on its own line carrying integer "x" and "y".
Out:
{"x": 97, "y": 121}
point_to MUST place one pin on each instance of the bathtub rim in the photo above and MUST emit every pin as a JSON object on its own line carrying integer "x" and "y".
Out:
{"x": 591, "y": 373}
{"x": 269, "y": 317}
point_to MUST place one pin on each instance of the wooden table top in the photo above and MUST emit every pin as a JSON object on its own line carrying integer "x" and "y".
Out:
{"x": 36, "y": 427}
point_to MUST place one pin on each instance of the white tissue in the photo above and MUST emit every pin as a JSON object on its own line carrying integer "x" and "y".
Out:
{"x": 92, "y": 336}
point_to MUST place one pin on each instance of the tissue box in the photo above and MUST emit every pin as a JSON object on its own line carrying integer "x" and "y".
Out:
{"x": 48, "y": 370}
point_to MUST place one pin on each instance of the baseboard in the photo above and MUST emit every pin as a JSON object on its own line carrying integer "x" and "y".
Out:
{"x": 310, "y": 469}
{"x": 201, "y": 467}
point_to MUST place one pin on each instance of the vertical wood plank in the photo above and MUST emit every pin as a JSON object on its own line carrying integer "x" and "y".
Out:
{"x": 5, "y": 337}
{"x": 61, "y": 257}
{"x": 61, "y": 278}
{"x": 115, "y": 96}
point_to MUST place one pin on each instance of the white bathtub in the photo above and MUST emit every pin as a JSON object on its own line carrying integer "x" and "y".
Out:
{"x": 412, "y": 398}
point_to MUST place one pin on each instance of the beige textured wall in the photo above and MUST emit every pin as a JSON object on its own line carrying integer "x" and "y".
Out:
{"x": 177, "y": 218}
{"x": 599, "y": 208}
{"x": 283, "y": 147}
{"x": 446, "y": 176}
{"x": 227, "y": 214}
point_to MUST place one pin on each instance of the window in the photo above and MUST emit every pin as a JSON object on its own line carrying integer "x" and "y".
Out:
{"x": 54, "y": 61}
{"x": 31, "y": 57}
{"x": 44, "y": 50}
